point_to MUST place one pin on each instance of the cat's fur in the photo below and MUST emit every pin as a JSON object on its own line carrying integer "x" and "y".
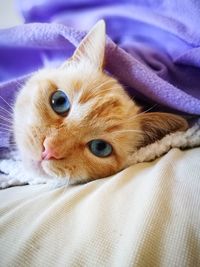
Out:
{"x": 100, "y": 109}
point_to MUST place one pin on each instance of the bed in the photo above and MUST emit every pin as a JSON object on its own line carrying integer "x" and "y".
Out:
{"x": 146, "y": 215}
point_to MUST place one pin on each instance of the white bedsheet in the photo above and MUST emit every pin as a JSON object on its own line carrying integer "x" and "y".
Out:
{"x": 146, "y": 215}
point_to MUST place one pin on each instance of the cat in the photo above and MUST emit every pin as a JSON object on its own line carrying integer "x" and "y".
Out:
{"x": 77, "y": 122}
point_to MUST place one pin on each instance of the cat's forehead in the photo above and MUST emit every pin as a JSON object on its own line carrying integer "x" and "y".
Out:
{"x": 70, "y": 80}
{"x": 95, "y": 97}
{"x": 85, "y": 84}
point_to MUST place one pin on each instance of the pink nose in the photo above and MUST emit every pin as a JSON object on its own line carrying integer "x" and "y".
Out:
{"x": 49, "y": 153}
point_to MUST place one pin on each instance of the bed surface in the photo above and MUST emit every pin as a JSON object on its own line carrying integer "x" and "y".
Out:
{"x": 146, "y": 215}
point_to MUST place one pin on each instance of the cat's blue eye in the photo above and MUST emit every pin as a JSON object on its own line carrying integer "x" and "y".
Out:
{"x": 60, "y": 103}
{"x": 100, "y": 148}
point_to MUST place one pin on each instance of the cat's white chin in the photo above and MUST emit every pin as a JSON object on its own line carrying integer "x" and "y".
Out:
{"x": 33, "y": 166}
{"x": 49, "y": 169}
{"x": 62, "y": 174}
{"x": 41, "y": 169}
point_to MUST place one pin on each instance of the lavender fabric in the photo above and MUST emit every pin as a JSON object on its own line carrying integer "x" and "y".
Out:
{"x": 155, "y": 50}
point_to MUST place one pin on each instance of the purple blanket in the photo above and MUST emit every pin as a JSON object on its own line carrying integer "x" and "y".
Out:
{"x": 157, "y": 56}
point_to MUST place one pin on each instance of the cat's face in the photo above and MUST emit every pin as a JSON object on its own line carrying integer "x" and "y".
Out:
{"x": 77, "y": 122}
{"x": 99, "y": 110}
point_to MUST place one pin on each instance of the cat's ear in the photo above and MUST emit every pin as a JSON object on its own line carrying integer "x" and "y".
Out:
{"x": 92, "y": 46}
{"x": 156, "y": 125}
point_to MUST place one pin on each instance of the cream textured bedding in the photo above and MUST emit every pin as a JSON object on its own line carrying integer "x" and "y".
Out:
{"x": 147, "y": 215}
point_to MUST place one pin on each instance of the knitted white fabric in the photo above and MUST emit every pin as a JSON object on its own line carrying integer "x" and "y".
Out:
{"x": 187, "y": 139}
{"x": 13, "y": 172}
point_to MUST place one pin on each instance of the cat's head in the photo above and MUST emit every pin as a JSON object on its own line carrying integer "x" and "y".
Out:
{"x": 77, "y": 122}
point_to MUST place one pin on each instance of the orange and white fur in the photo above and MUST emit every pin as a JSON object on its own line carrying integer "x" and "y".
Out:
{"x": 100, "y": 109}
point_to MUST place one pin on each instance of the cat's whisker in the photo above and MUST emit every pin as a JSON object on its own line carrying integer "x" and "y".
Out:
{"x": 103, "y": 91}
{"x": 125, "y": 131}
{"x": 99, "y": 86}
{"x": 5, "y": 110}
{"x": 108, "y": 89}
{"x": 5, "y": 119}
{"x": 7, "y": 103}
{"x": 6, "y": 130}
{"x": 113, "y": 87}
{"x": 3, "y": 126}
{"x": 102, "y": 84}
{"x": 143, "y": 112}
{"x": 19, "y": 83}
{"x": 149, "y": 109}
{"x": 4, "y": 123}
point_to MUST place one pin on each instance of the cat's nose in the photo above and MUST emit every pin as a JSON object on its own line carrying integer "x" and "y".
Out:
{"x": 49, "y": 153}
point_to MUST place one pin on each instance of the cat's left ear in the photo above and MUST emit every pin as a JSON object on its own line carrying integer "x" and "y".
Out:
{"x": 92, "y": 46}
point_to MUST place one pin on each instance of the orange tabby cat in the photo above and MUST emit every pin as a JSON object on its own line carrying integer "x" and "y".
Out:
{"x": 78, "y": 123}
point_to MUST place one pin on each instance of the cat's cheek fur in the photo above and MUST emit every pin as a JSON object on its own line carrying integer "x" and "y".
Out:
{"x": 29, "y": 144}
{"x": 98, "y": 167}
{"x": 27, "y": 136}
